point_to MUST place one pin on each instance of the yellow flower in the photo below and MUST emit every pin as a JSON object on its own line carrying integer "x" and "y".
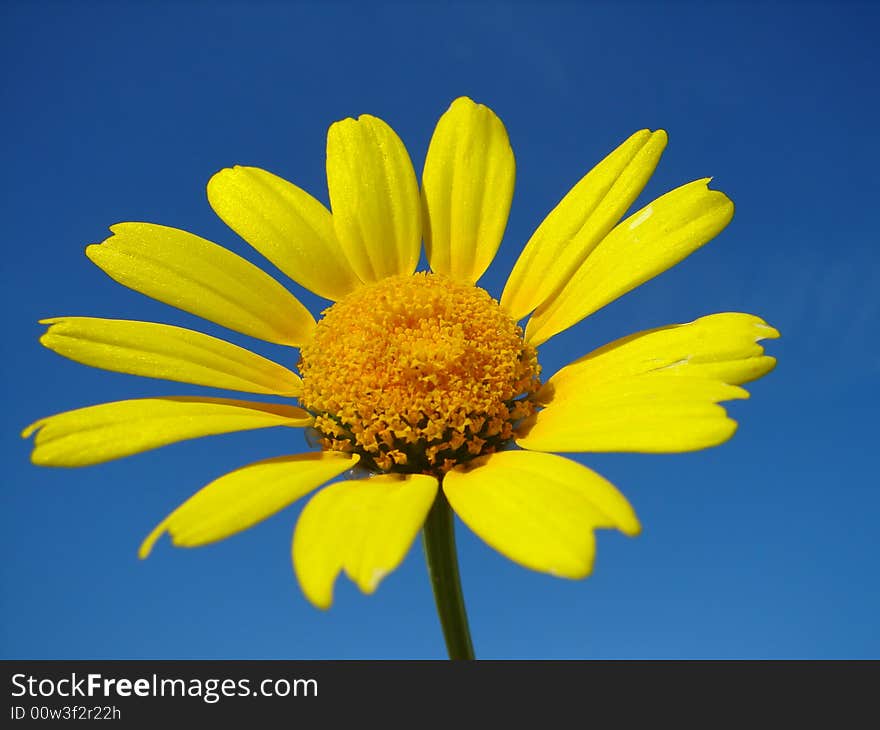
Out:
{"x": 422, "y": 379}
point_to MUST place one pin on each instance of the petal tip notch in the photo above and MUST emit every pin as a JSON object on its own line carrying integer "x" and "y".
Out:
{"x": 146, "y": 547}
{"x": 29, "y": 431}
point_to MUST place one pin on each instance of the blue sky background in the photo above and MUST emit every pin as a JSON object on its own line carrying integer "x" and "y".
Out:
{"x": 764, "y": 547}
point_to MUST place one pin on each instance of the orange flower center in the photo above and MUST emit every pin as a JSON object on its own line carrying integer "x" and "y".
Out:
{"x": 417, "y": 374}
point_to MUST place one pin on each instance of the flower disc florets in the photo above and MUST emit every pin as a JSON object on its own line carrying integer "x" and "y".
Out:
{"x": 417, "y": 374}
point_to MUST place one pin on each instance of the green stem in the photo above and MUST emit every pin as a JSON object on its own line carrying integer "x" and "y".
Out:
{"x": 442, "y": 560}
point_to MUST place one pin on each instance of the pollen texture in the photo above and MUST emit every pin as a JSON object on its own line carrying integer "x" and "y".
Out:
{"x": 417, "y": 374}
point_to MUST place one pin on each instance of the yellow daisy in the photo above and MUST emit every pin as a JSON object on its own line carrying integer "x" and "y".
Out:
{"x": 421, "y": 379}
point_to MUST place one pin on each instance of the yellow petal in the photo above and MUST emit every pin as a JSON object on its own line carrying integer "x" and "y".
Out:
{"x": 539, "y": 510}
{"x": 583, "y": 217}
{"x": 162, "y": 351}
{"x": 246, "y": 496}
{"x": 374, "y": 196}
{"x": 96, "y": 434}
{"x": 467, "y": 187}
{"x": 648, "y": 413}
{"x": 646, "y": 244}
{"x": 719, "y": 346}
{"x": 203, "y": 278}
{"x": 364, "y": 527}
{"x": 285, "y": 224}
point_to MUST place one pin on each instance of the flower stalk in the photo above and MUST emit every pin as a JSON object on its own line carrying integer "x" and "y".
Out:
{"x": 442, "y": 559}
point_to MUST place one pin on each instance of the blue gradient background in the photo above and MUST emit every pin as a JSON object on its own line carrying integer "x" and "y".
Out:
{"x": 765, "y": 547}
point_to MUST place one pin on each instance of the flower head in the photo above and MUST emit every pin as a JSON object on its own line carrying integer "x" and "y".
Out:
{"x": 420, "y": 379}
{"x": 417, "y": 374}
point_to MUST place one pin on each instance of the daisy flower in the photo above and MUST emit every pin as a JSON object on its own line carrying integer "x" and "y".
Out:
{"x": 420, "y": 387}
